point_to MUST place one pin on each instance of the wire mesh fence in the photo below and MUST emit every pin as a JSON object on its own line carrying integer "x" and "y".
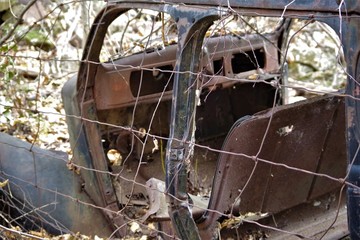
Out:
{"x": 101, "y": 138}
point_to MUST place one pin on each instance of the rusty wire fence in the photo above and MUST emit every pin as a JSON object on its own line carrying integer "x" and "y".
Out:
{"x": 264, "y": 146}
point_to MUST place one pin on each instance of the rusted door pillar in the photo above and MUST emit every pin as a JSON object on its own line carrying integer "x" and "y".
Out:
{"x": 192, "y": 25}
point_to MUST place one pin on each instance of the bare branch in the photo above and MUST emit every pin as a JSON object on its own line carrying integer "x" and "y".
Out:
{"x": 20, "y": 19}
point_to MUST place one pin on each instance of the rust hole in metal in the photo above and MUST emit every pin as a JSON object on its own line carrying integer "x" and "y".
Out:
{"x": 284, "y": 131}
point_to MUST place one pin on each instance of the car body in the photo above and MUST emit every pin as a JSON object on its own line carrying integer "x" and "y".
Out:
{"x": 191, "y": 124}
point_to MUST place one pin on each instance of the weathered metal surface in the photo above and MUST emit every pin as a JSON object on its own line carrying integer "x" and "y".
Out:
{"x": 353, "y": 124}
{"x": 282, "y": 6}
{"x": 44, "y": 193}
{"x": 82, "y": 155}
{"x": 295, "y": 138}
{"x": 183, "y": 107}
{"x": 102, "y": 79}
{"x": 113, "y": 85}
{"x": 310, "y": 220}
{"x": 192, "y": 29}
{"x": 349, "y": 35}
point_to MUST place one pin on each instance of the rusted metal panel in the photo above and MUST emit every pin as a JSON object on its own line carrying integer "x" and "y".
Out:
{"x": 112, "y": 87}
{"x": 97, "y": 152}
{"x": 310, "y": 220}
{"x": 302, "y": 136}
{"x": 332, "y": 160}
{"x": 192, "y": 30}
{"x": 82, "y": 155}
{"x": 307, "y": 6}
{"x": 350, "y": 38}
{"x": 45, "y": 192}
{"x": 181, "y": 125}
{"x": 293, "y": 137}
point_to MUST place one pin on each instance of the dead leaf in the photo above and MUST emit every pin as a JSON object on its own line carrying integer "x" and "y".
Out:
{"x": 4, "y": 183}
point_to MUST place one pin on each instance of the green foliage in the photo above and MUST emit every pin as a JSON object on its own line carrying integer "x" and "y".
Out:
{"x": 37, "y": 38}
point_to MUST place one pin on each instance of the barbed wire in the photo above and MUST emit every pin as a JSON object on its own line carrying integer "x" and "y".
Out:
{"x": 138, "y": 126}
